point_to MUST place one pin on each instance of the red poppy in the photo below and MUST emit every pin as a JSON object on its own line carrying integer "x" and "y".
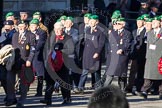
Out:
{"x": 95, "y": 30}
{"x": 160, "y": 65}
{"x": 158, "y": 35}
{"x": 59, "y": 37}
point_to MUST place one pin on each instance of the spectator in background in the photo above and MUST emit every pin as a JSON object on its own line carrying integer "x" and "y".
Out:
{"x": 144, "y": 8}
{"x": 108, "y": 97}
{"x": 23, "y": 15}
{"x": 154, "y": 10}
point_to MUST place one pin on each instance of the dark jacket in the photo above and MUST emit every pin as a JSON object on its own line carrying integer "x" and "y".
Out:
{"x": 117, "y": 65}
{"x": 38, "y": 63}
{"x": 23, "y": 51}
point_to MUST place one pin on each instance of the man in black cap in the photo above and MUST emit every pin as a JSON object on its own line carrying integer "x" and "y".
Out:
{"x": 5, "y": 39}
{"x": 23, "y": 43}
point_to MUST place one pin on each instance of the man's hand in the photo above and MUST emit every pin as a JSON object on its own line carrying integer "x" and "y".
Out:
{"x": 28, "y": 63}
{"x": 95, "y": 55}
{"x": 119, "y": 51}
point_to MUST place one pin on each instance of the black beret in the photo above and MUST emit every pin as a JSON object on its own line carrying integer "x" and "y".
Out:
{"x": 9, "y": 22}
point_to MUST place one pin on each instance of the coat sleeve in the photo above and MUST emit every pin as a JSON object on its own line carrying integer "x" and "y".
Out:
{"x": 32, "y": 47}
{"x": 68, "y": 47}
{"x": 41, "y": 41}
{"x": 127, "y": 43}
{"x": 101, "y": 42}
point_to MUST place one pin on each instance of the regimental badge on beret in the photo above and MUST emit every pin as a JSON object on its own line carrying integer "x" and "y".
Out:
{"x": 37, "y": 13}
{"x": 149, "y": 20}
{"x": 21, "y": 22}
{"x": 34, "y": 21}
{"x": 70, "y": 18}
{"x": 9, "y": 14}
{"x": 140, "y": 18}
{"x": 95, "y": 17}
{"x": 156, "y": 18}
{"x": 87, "y": 15}
{"x": 121, "y": 19}
{"x": 63, "y": 17}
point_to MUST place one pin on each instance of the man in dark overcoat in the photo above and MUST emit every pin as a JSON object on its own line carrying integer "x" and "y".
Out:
{"x": 117, "y": 56}
{"x": 94, "y": 42}
{"x": 23, "y": 42}
{"x": 38, "y": 63}
{"x": 138, "y": 56}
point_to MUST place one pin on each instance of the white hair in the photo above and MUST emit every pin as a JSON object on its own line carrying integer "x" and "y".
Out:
{"x": 58, "y": 25}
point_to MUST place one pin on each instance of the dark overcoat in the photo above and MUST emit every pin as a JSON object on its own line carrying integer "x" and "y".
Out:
{"x": 117, "y": 65}
{"x": 38, "y": 62}
{"x": 93, "y": 43}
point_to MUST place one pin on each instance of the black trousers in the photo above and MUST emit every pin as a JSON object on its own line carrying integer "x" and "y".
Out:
{"x": 64, "y": 76}
{"x": 122, "y": 81}
{"x": 148, "y": 84}
{"x": 3, "y": 77}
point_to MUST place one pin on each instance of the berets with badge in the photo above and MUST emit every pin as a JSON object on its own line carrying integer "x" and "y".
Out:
{"x": 156, "y": 18}
{"x": 87, "y": 15}
{"x": 9, "y": 14}
{"x": 140, "y": 18}
{"x": 116, "y": 14}
{"x": 149, "y": 20}
{"x": 34, "y": 21}
{"x": 95, "y": 17}
{"x": 121, "y": 19}
{"x": 70, "y": 18}
{"x": 63, "y": 17}
{"x": 160, "y": 17}
{"x": 145, "y": 16}
{"x": 9, "y": 22}
{"x": 37, "y": 13}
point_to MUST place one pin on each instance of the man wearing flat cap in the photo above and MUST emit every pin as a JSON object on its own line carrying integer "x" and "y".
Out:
{"x": 6, "y": 38}
{"x": 23, "y": 43}
{"x": 153, "y": 54}
{"x": 38, "y": 63}
{"x": 37, "y": 15}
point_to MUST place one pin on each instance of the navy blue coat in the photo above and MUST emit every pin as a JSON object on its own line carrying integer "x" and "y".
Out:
{"x": 38, "y": 63}
{"x": 94, "y": 43}
{"x": 117, "y": 65}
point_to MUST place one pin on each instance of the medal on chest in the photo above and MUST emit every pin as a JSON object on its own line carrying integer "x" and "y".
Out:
{"x": 121, "y": 41}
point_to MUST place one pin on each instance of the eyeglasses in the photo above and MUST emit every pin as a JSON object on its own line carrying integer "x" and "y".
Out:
{"x": 118, "y": 24}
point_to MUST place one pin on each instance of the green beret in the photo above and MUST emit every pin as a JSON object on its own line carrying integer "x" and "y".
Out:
{"x": 95, "y": 17}
{"x": 63, "y": 17}
{"x": 140, "y": 18}
{"x": 9, "y": 14}
{"x": 156, "y": 18}
{"x": 149, "y": 20}
{"x": 160, "y": 16}
{"x": 34, "y": 21}
{"x": 116, "y": 12}
{"x": 145, "y": 16}
{"x": 37, "y": 13}
{"x": 121, "y": 19}
{"x": 114, "y": 21}
{"x": 87, "y": 15}
{"x": 116, "y": 16}
{"x": 70, "y": 18}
